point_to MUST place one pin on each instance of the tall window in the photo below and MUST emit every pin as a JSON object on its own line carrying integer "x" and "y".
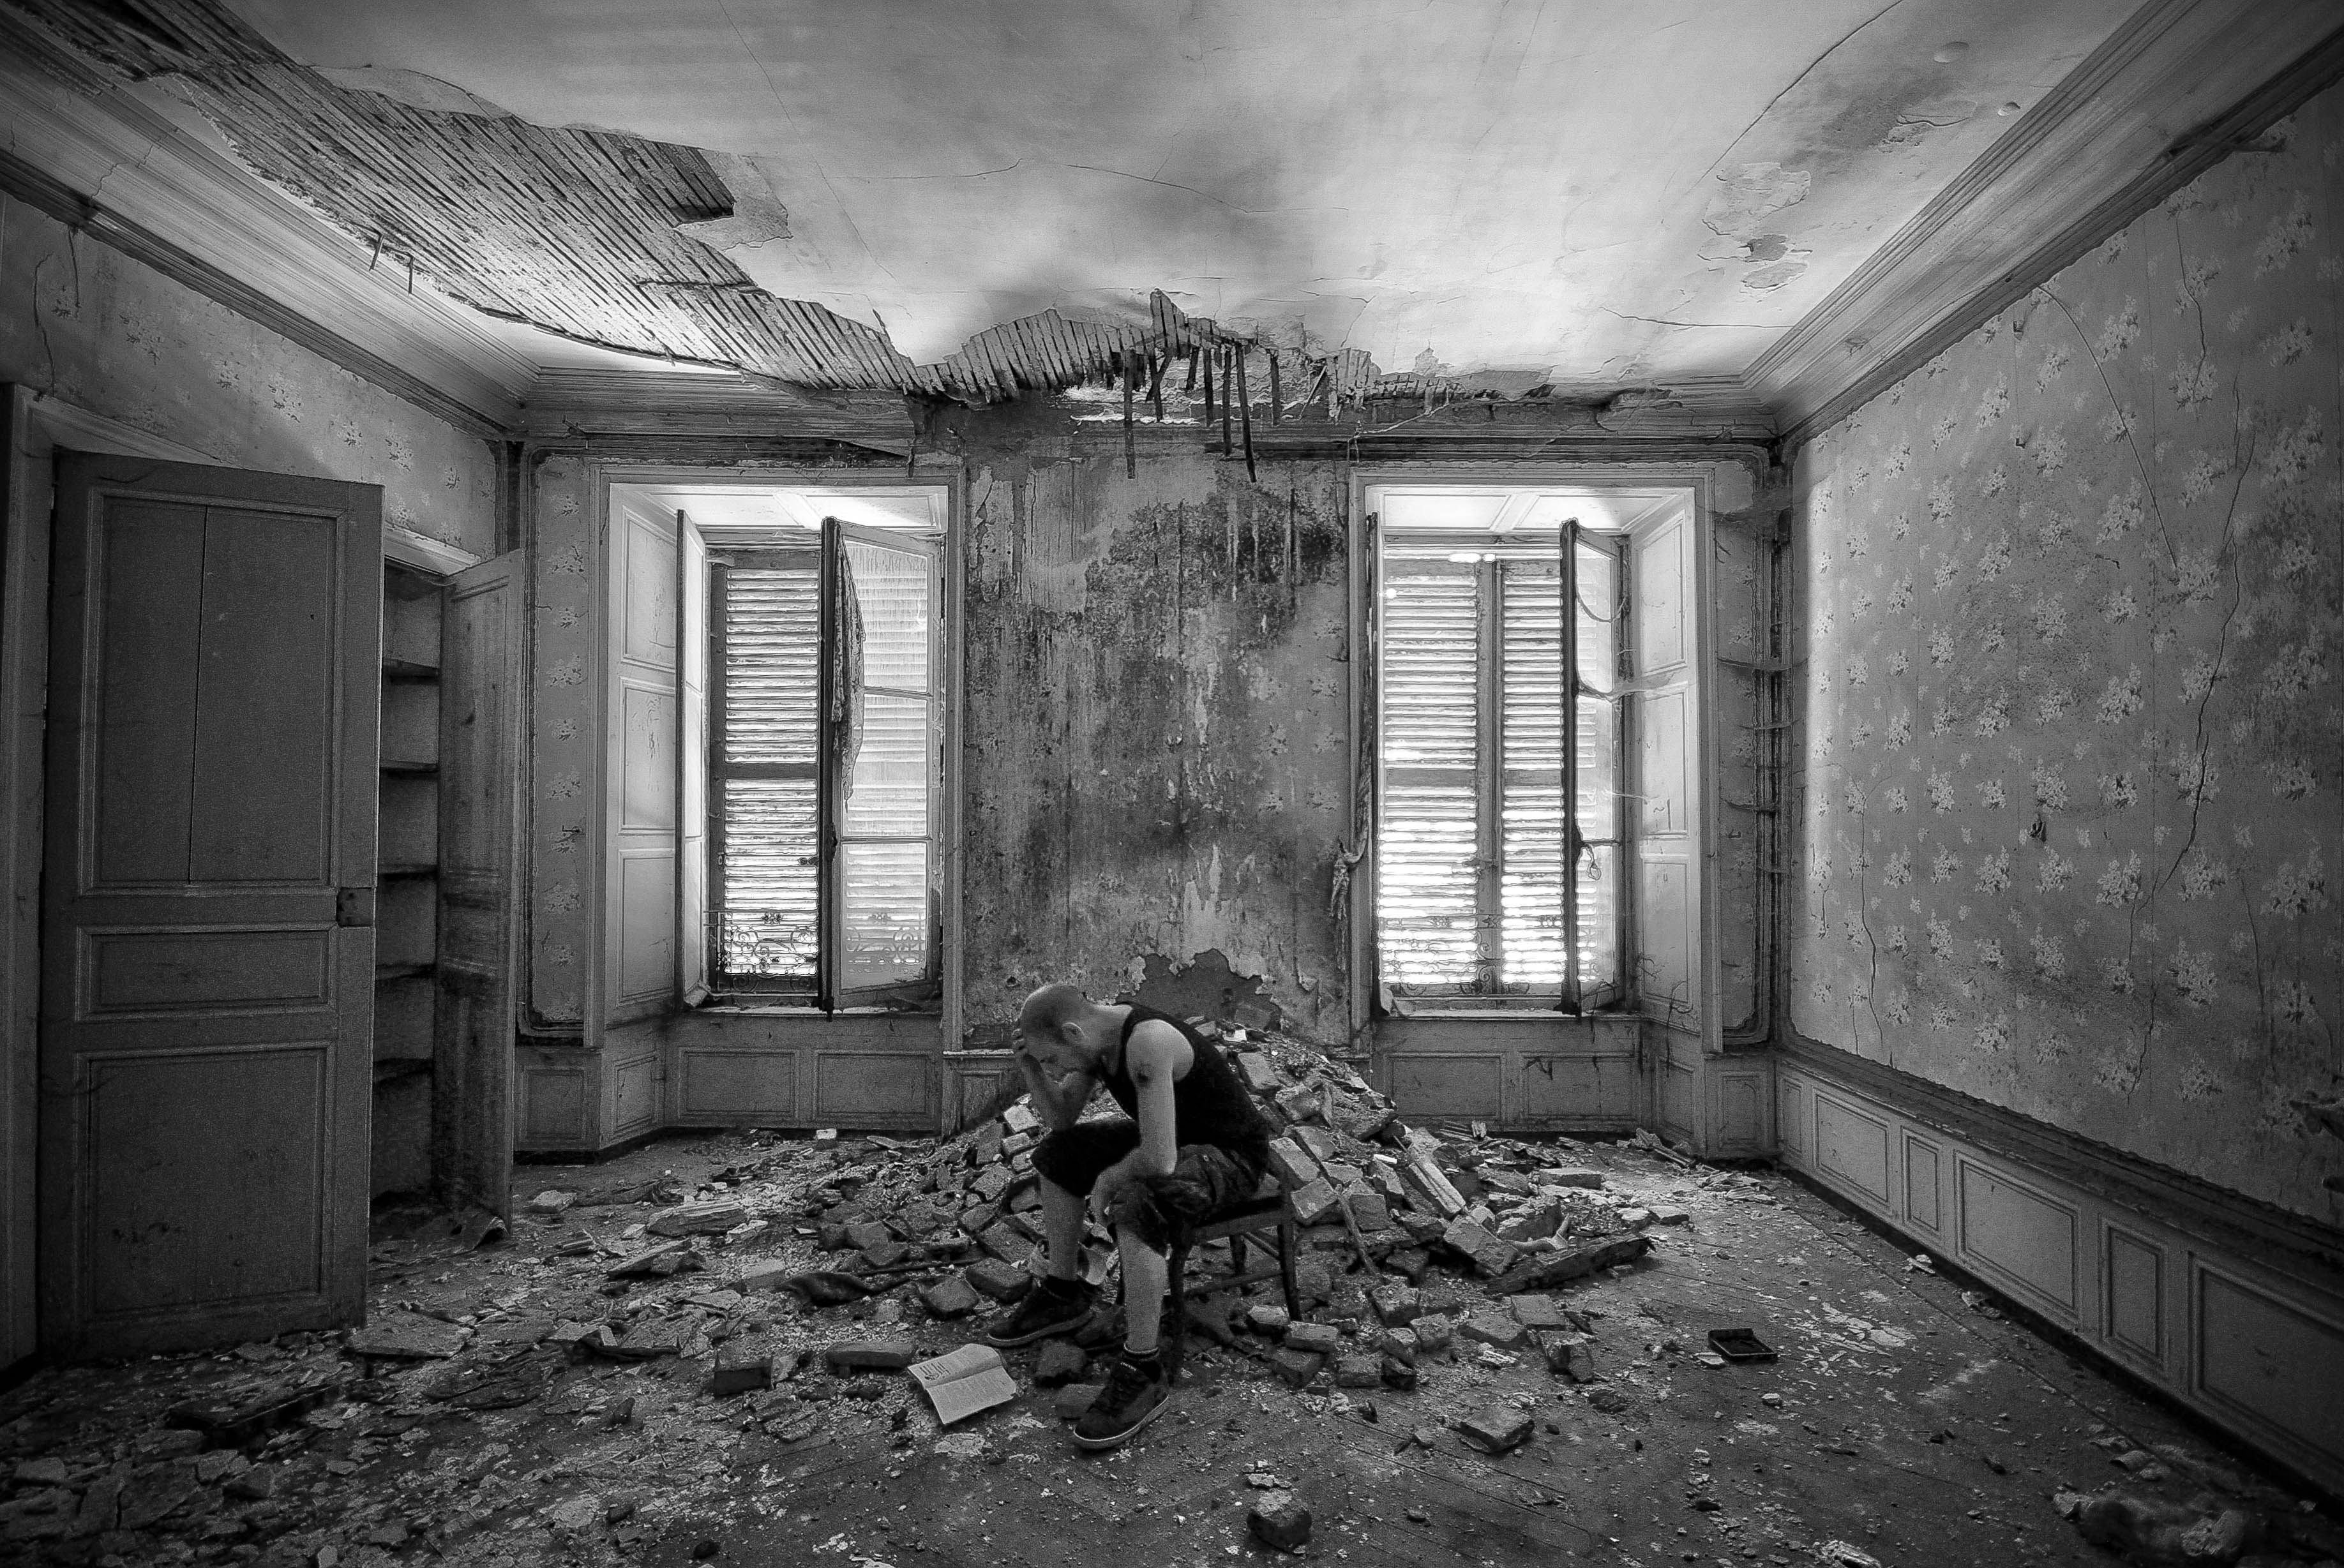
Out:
{"x": 824, "y": 755}
{"x": 1500, "y": 837}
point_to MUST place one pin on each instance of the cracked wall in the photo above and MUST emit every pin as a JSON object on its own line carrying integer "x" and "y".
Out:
{"x": 111, "y": 334}
{"x": 1156, "y": 757}
{"x": 2075, "y": 694}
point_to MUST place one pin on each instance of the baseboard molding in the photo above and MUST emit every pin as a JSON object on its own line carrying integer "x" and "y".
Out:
{"x": 2234, "y": 1310}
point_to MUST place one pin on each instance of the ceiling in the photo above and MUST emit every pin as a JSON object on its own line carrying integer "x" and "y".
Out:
{"x": 1508, "y": 192}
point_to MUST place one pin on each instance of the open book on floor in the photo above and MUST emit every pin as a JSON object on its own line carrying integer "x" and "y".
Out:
{"x": 968, "y": 1380}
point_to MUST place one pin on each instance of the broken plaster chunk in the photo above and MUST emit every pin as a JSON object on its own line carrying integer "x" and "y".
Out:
{"x": 1264, "y": 1319}
{"x": 1536, "y": 1312}
{"x": 1434, "y": 1333}
{"x": 1669, "y": 1214}
{"x": 1280, "y": 1521}
{"x": 739, "y": 1371}
{"x": 1553, "y": 1177}
{"x": 1398, "y": 1344}
{"x": 1293, "y": 1166}
{"x": 950, "y": 1297}
{"x": 412, "y": 1336}
{"x": 1396, "y": 1306}
{"x": 1499, "y": 1429}
{"x": 1369, "y": 1211}
{"x": 1020, "y": 1118}
{"x": 1357, "y": 1371}
{"x": 1568, "y": 1355}
{"x": 1262, "y": 1075}
{"x": 1313, "y": 1200}
{"x": 1073, "y": 1399}
{"x": 698, "y": 1220}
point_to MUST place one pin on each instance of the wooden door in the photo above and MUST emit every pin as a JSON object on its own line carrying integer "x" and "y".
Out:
{"x": 480, "y": 707}
{"x": 206, "y": 970}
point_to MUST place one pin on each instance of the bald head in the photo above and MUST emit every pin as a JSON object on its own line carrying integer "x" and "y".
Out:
{"x": 1058, "y": 1022}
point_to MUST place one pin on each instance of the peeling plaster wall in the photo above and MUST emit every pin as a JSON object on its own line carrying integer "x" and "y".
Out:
{"x": 1157, "y": 757}
{"x": 2082, "y": 573}
{"x": 566, "y": 666}
{"x": 112, "y": 336}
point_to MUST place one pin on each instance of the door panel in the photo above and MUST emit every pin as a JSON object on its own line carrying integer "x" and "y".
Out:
{"x": 206, "y": 1021}
{"x": 471, "y": 1108}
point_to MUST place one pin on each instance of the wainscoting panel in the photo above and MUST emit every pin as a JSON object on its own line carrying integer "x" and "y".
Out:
{"x": 1525, "y": 1072}
{"x": 2236, "y": 1313}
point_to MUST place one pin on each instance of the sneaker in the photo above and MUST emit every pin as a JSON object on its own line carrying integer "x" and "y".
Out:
{"x": 1051, "y": 1307}
{"x": 1134, "y": 1396}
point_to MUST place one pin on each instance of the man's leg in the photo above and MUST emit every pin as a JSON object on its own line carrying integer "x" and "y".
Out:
{"x": 1062, "y": 1229}
{"x": 1144, "y": 1281}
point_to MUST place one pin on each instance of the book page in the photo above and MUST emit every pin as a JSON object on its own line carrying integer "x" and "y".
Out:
{"x": 965, "y": 1381}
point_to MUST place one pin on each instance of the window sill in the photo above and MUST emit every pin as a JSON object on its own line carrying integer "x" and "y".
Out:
{"x": 1418, "y": 1012}
{"x": 807, "y": 1015}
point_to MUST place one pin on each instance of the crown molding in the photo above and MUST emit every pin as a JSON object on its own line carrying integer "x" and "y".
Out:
{"x": 85, "y": 151}
{"x": 2165, "y": 97}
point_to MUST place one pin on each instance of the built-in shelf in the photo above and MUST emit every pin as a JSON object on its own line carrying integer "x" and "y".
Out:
{"x": 398, "y": 1067}
{"x": 408, "y": 669}
{"x": 401, "y": 972}
{"x": 389, "y": 870}
{"x": 391, "y": 765}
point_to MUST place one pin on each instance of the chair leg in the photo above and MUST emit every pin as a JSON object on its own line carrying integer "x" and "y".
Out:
{"x": 1237, "y": 1252}
{"x": 1287, "y": 1240}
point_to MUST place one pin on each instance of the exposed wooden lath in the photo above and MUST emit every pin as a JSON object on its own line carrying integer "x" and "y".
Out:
{"x": 571, "y": 231}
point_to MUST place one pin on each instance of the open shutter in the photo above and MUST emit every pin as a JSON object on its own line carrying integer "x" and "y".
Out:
{"x": 691, "y": 763}
{"x": 1428, "y": 859}
{"x": 1598, "y": 881}
{"x": 764, "y": 850}
{"x": 882, "y": 737}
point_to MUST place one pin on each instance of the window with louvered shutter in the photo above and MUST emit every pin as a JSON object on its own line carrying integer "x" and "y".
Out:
{"x": 1495, "y": 679}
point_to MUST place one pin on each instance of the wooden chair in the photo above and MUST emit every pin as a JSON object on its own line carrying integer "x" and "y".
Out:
{"x": 1270, "y": 1211}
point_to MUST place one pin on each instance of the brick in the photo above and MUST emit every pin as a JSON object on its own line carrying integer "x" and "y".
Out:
{"x": 1264, "y": 1319}
{"x": 1287, "y": 1158}
{"x": 1500, "y": 1428}
{"x": 1489, "y": 1256}
{"x": 1318, "y": 1142}
{"x": 1261, "y": 1074}
{"x": 1314, "y": 1202}
{"x": 885, "y": 1255}
{"x": 1668, "y": 1215}
{"x": 950, "y": 1297}
{"x": 1609, "y": 1401}
{"x": 1061, "y": 1362}
{"x": 1357, "y": 1371}
{"x": 1635, "y": 1218}
{"x": 1434, "y": 1332}
{"x": 1537, "y": 1313}
{"x": 870, "y": 1355}
{"x": 1007, "y": 1244}
{"x": 1298, "y": 1103}
{"x": 868, "y": 1233}
{"x": 1296, "y": 1368}
{"x": 1423, "y": 1229}
{"x": 1319, "y": 1339}
{"x": 1384, "y": 1177}
{"x": 1554, "y": 1176}
{"x": 1313, "y": 1280}
{"x": 1493, "y": 1330}
{"x": 992, "y": 1277}
{"x": 1346, "y": 1178}
{"x": 1284, "y": 1525}
{"x": 739, "y": 1371}
{"x": 1396, "y": 1373}
{"x": 1369, "y": 1211}
{"x": 1410, "y": 1263}
{"x": 992, "y": 1183}
{"x": 1073, "y": 1399}
{"x": 1020, "y": 1118}
{"x": 1531, "y": 1222}
{"x": 1396, "y": 1306}
{"x": 1397, "y": 1344}
{"x": 1017, "y": 1143}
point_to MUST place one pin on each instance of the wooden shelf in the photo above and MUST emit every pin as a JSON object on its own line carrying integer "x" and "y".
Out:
{"x": 390, "y": 869}
{"x": 401, "y": 972}
{"x": 408, "y": 669}
{"x": 399, "y": 1067}
{"x": 407, "y": 769}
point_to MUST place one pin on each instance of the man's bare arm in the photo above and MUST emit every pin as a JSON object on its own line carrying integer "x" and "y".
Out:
{"x": 1154, "y": 1057}
{"x": 1058, "y": 1100}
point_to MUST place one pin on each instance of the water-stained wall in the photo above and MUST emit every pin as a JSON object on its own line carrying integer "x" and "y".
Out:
{"x": 2075, "y": 693}
{"x": 112, "y": 336}
{"x": 1156, "y": 756}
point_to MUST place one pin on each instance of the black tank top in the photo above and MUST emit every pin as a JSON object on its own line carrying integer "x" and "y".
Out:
{"x": 1210, "y": 1105}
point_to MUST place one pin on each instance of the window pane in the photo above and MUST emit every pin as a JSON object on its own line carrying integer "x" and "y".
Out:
{"x": 1597, "y": 741}
{"x": 888, "y": 769}
{"x": 891, "y": 594}
{"x": 884, "y": 893}
{"x": 772, "y": 624}
{"x": 1529, "y": 945}
{"x": 1599, "y": 617}
{"x": 1424, "y": 885}
{"x": 767, "y": 928}
{"x": 1599, "y": 925}
{"x": 1430, "y": 635}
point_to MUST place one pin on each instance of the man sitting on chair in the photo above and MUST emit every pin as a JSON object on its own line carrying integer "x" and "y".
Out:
{"x": 1195, "y": 1144}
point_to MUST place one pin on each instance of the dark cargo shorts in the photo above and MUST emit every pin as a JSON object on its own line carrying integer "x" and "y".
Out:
{"x": 1206, "y": 1178}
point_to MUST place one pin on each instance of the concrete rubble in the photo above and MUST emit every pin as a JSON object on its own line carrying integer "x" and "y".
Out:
{"x": 775, "y": 1300}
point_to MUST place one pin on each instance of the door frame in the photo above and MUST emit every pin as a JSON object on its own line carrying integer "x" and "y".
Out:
{"x": 38, "y": 423}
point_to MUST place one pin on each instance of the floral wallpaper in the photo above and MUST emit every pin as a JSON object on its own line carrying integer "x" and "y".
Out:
{"x": 2073, "y": 692}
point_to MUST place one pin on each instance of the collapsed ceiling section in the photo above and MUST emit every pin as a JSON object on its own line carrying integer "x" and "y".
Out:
{"x": 1039, "y": 194}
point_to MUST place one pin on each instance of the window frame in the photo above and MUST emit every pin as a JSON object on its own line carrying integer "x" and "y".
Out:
{"x": 1569, "y": 996}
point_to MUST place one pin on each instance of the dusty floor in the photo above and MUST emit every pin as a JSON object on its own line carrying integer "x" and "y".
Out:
{"x": 1898, "y": 1421}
